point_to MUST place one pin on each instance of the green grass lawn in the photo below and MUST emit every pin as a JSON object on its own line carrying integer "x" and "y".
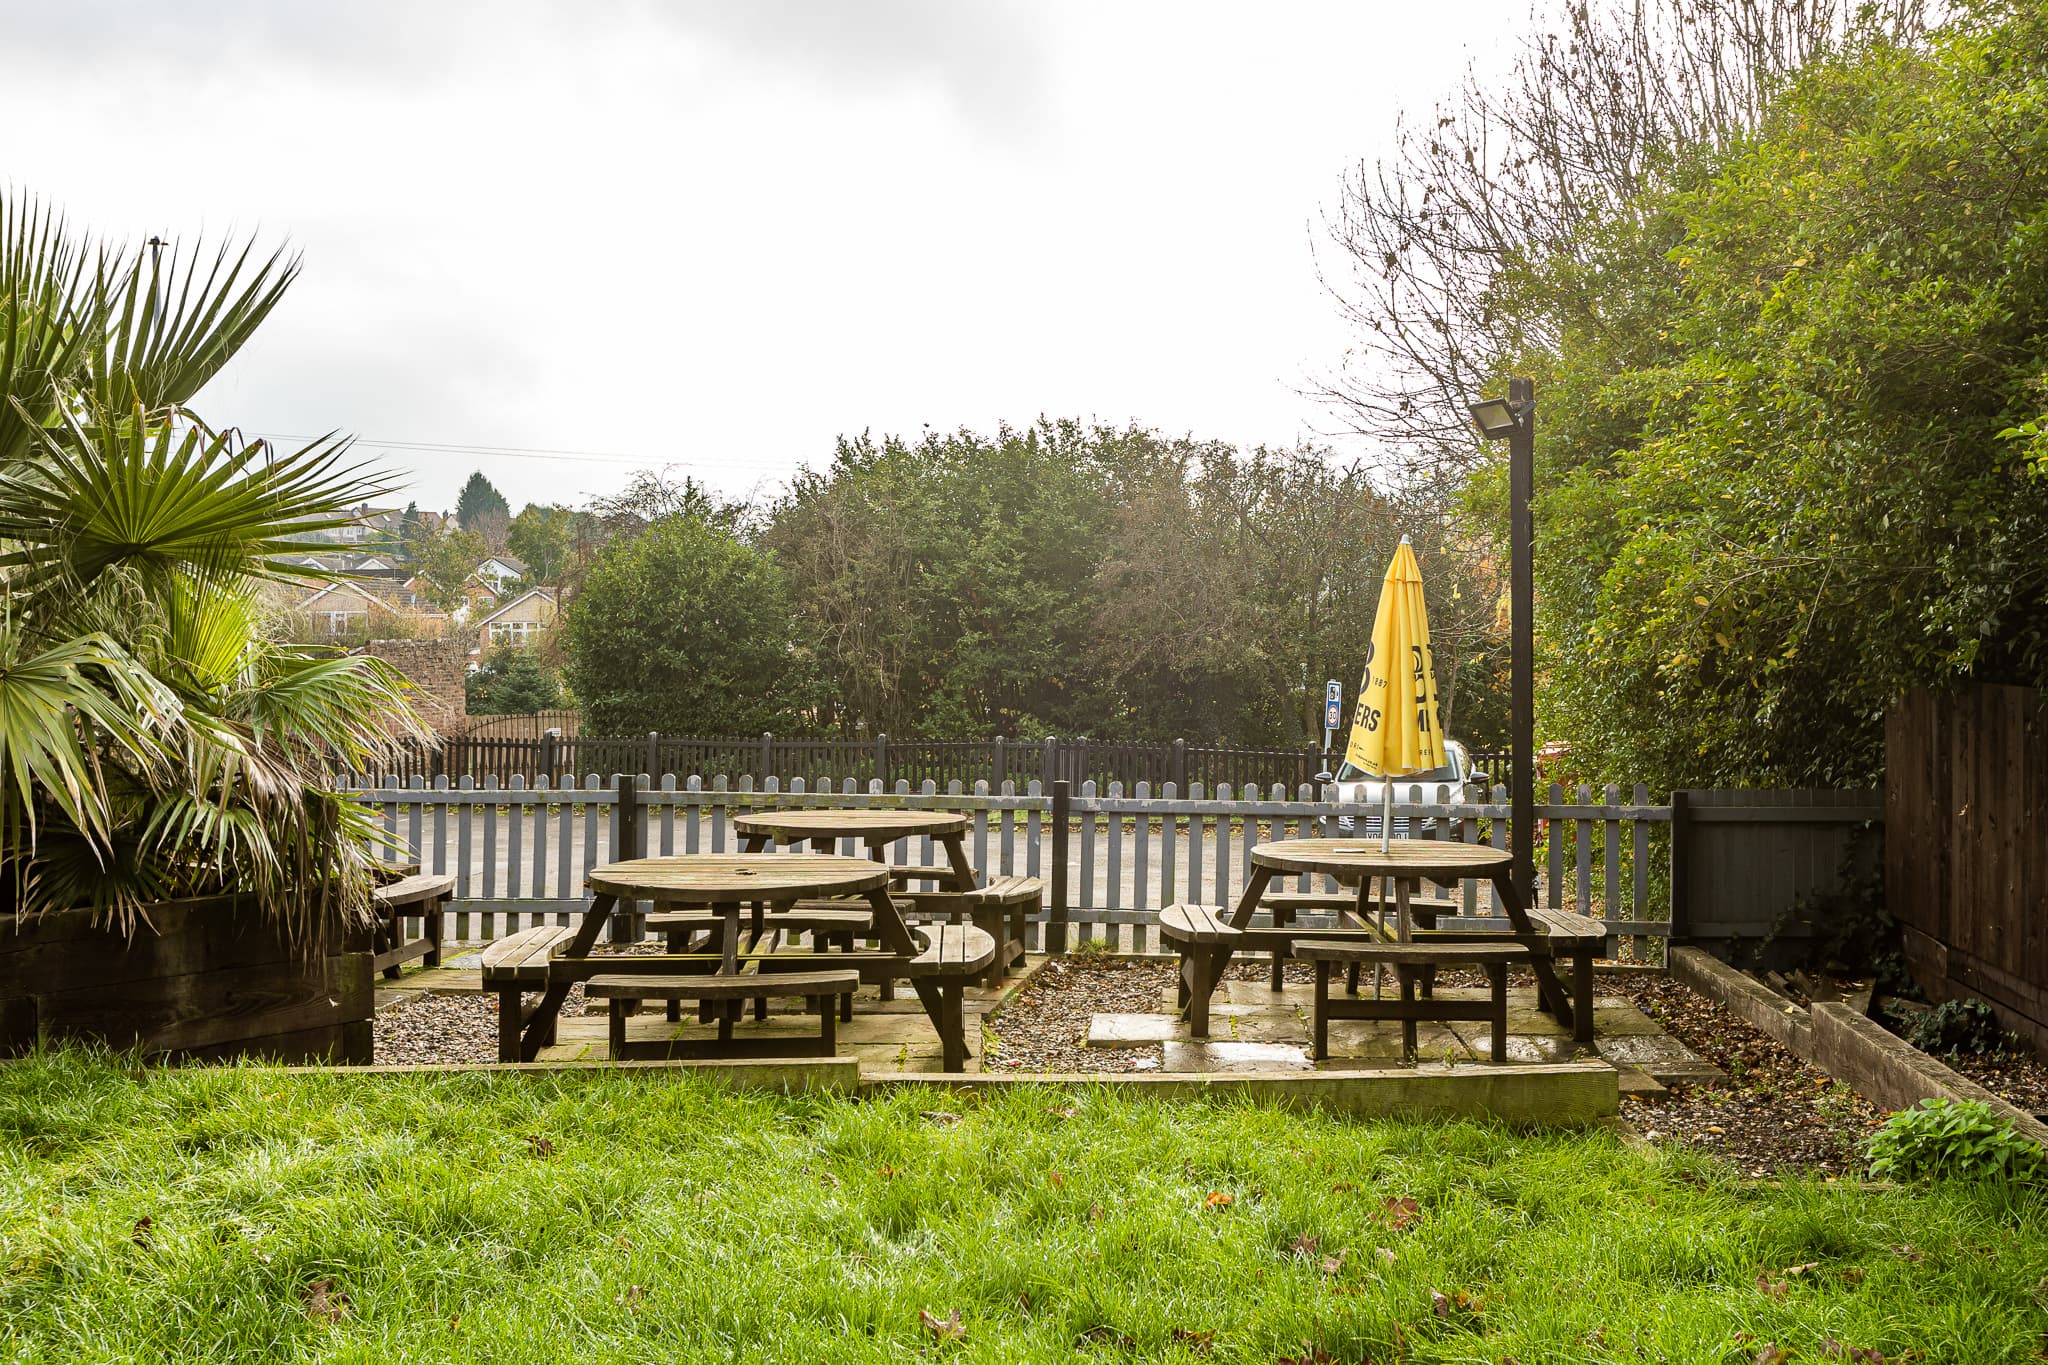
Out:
{"x": 193, "y": 1215}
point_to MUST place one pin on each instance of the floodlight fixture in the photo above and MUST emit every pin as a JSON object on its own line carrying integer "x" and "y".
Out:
{"x": 1496, "y": 418}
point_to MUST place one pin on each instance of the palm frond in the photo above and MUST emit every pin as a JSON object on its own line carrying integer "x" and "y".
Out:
{"x": 179, "y": 322}
{"x": 167, "y": 502}
{"x": 61, "y": 703}
{"x": 51, "y": 320}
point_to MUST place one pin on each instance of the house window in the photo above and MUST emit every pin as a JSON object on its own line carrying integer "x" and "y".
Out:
{"x": 515, "y": 632}
{"x": 338, "y": 621}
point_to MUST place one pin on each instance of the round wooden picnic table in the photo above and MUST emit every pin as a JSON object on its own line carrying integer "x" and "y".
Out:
{"x": 728, "y": 882}
{"x": 875, "y": 828}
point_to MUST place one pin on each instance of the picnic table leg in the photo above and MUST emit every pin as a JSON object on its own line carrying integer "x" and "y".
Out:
{"x": 540, "y": 1029}
{"x": 432, "y": 926}
{"x": 1497, "y": 984}
{"x": 1409, "y": 1045}
{"x": 1321, "y": 1016}
{"x": 1550, "y": 992}
{"x": 508, "y": 1023}
{"x": 1582, "y": 998}
{"x": 956, "y": 858}
{"x": 953, "y": 1029}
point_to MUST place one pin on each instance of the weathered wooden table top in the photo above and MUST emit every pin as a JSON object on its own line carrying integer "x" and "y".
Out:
{"x": 871, "y": 825}
{"x": 731, "y": 878}
{"x": 1404, "y": 858}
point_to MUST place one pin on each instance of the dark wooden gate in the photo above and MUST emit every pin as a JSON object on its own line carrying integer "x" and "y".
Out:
{"x": 1966, "y": 846}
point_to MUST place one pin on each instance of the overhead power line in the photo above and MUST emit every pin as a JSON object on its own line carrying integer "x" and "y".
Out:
{"x": 526, "y": 452}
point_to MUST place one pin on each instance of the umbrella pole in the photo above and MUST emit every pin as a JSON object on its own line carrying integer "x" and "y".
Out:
{"x": 1386, "y": 811}
{"x": 1380, "y": 899}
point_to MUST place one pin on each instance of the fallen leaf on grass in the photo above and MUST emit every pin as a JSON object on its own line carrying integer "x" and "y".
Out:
{"x": 540, "y": 1146}
{"x": 1219, "y": 1200}
{"x": 948, "y": 1328}
{"x": 888, "y": 1172}
{"x": 1770, "y": 1288}
{"x": 1386, "y": 1254}
{"x": 634, "y": 1294}
{"x": 1194, "y": 1341}
{"x": 1305, "y": 1246}
{"x": 1095, "y": 1213}
{"x": 1063, "y": 1111}
{"x": 1909, "y": 1253}
{"x": 1399, "y": 1213}
{"x": 1800, "y": 1269}
{"x": 1771, "y": 1353}
{"x": 623, "y": 1242}
{"x": 1056, "y": 1180}
{"x": 1333, "y": 1264}
{"x": 1835, "y": 1350}
{"x": 1853, "y": 1275}
{"x": 325, "y": 1303}
{"x": 142, "y": 1228}
{"x": 1342, "y": 1187}
{"x": 828, "y": 1180}
{"x": 940, "y": 1117}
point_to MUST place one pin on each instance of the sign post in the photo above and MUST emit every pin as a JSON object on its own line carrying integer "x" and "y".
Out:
{"x": 1333, "y": 715}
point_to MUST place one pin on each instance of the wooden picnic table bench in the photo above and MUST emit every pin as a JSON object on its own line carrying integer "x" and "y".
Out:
{"x": 1206, "y": 950}
{"x": 1409, "y": 961}
{"x": 1002, "y": 907}
{"x": 624, "y": 990}
{"x": 936, "y": 963}
{"x": 412, "y": 897}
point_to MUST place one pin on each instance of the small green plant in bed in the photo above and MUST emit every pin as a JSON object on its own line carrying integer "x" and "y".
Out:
{"x": 1941, "y": 1139}
{"x": 249, "y": 1215}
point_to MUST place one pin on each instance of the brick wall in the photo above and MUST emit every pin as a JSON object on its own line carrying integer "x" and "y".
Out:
{"x": 439, "y": 669}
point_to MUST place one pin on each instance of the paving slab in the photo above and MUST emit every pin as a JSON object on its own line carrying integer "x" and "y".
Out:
{"x": 1379, "y": 1040}
{"x": 1259, "y": 993}
{"x": 1661, "y": 1057}
{"x": 1521, "y": 1047}
{"x": 1217, "y": 1056}
{"x": 1133, "y": 1030}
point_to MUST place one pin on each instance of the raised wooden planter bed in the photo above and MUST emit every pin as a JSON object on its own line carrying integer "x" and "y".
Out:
{"x": 203, "y": 980}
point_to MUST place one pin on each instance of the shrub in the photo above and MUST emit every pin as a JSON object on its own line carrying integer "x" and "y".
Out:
{"x": 1951, "y": 1140}
{"x": 1958, "y": 1026}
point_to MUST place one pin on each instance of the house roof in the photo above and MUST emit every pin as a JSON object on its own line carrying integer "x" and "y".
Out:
{"x": 510, "y": 562}
{"x": 545, "y": 594}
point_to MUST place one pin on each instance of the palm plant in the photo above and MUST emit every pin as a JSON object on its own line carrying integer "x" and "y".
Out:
{"x": 155, "y": 740}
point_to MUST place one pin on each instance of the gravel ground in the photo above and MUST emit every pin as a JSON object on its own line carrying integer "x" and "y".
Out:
{"x": 462, "y": 1029}
{"x": 2016, "y": 1078}
{"x": 1776, "y": 1114}
{"x": 1044, "y": 1027}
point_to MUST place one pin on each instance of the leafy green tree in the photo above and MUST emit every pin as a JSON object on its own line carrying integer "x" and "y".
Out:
{"x": 544, "y": 537}
{"x": 443, "y": 563}
{"x": 482, "y": 509}
{"x": 1784, "y": 464}
{"x": 158, "y": 742}
{"x": 513, "y": 682}
{"x": 684, "y": 628}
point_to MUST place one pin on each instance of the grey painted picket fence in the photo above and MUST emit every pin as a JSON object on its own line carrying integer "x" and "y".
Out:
{"x": 519, "y": 852}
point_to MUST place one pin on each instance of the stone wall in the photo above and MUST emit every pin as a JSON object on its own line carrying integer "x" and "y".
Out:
{"x": 440, "y": 670}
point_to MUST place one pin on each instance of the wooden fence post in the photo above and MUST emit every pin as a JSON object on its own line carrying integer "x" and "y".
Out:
{"x": 653, "y": 768}
{"x": 1052, "y": 761}
{"x": 1002, "y": 766}
{"x": 1681, "y": 866}
{"x": 1056, "y": 917}
{"x": 1180, "y": 767}
{"x": 628, "y": 925}
{"x": 767, "y": 758}
{"x": 882, "y": 760}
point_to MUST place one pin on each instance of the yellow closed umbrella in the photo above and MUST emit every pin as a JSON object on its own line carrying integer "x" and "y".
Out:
{"x": 1394, "y": 728}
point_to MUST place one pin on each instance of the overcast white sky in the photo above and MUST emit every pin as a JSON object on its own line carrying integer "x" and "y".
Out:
{"x": 717, "y": 235}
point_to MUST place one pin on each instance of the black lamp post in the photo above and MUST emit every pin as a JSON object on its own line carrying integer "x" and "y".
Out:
{"x": 1514, "y": 418}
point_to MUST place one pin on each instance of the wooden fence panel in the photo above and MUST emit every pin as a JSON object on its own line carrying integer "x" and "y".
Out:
{"x": 1966, "y": 848}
